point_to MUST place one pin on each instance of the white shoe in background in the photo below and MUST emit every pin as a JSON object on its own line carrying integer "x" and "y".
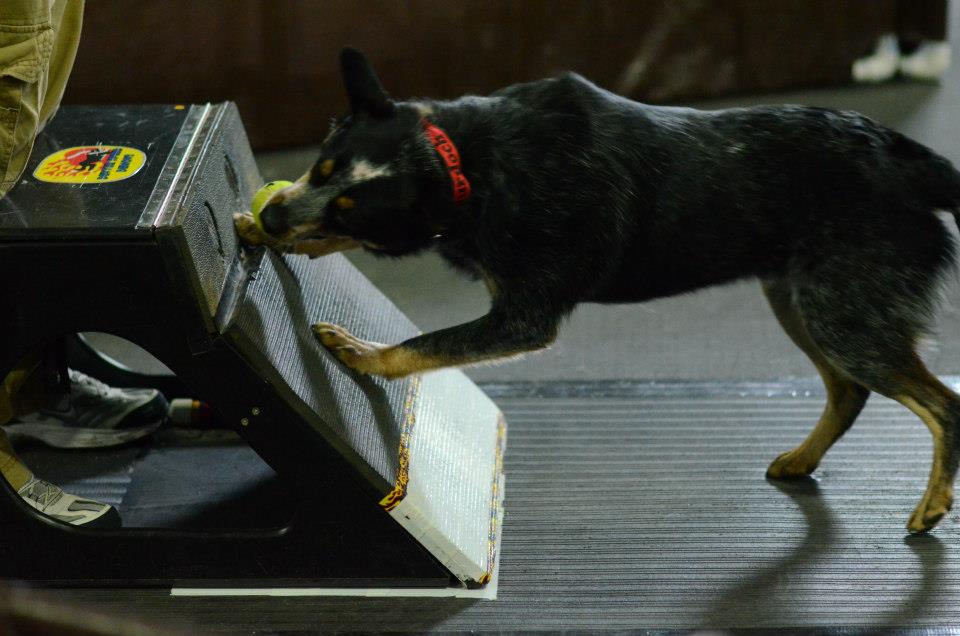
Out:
{"x": 882, "y": 64}
{"x": 929, "y": 62}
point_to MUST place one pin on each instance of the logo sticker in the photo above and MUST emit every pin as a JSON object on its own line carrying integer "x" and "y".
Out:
{"x": 90, "y": 164}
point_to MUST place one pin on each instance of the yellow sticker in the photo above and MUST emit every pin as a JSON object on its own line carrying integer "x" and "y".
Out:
{"x": 90, "y": 164}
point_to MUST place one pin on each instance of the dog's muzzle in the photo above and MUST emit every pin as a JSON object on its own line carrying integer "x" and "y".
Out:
{"x": 275, "y": 219}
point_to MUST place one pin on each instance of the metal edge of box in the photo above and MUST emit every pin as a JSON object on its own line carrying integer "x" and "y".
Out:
{"x": 169, "y": 190}
{"x": 172, "y": 189}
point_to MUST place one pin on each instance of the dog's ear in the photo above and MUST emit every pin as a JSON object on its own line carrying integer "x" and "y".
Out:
{"x": 364, "y": 89}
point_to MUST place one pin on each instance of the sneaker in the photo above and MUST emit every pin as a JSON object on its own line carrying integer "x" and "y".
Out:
{"x": 53, "y": 502}
{"x": 880, "y": 65}
{"x": 929, "y": 62}
{"x": 92, "y": 415}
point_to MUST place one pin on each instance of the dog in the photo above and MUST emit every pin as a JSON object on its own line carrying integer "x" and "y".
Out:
{"x": 557, "y": 192}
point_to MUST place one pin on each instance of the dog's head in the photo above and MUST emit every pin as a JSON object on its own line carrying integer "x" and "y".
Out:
{"x": 365, "y": 188}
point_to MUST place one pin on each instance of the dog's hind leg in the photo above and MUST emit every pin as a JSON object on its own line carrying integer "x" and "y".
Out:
{"x": 865, "y": 312}
{"x": 845, "y": 398}
{"x": 938, "y": 407}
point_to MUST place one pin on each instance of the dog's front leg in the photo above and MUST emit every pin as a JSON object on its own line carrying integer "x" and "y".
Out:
{"x": 498, "y": 335}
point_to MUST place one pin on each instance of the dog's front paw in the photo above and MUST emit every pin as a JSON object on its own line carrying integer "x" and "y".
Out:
{"x": 247, "y": 229}
{"x": 359, "y": 355}
{"x": 251, "y": 234}
{"x": 791, "y": 465}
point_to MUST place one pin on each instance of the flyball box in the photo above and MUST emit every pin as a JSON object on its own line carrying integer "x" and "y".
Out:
{"x": 122, "y": 223}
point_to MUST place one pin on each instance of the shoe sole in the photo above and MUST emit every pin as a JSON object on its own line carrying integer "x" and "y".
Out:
{"x": 60, "y": 510}
{"x": 59, "y": 436}
{"x": 110, "y": 520}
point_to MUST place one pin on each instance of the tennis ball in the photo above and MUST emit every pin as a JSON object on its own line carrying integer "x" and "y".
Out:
{"x": 263, "y": 195}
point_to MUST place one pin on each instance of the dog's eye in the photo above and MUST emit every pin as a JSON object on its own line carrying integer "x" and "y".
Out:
{"x": 345, "y": 203}
{"x": 321, "y": 171}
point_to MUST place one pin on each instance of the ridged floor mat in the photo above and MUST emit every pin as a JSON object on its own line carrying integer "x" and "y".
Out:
{"x": 645, "y": 506}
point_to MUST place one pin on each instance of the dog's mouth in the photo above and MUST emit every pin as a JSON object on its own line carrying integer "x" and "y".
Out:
{"x": 313, "y": 230}
{"x": 322, "y": 246}
{"x": 316, "y": 239}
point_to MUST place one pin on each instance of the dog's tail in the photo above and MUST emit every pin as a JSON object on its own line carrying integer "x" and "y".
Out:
{"x": 929, "y": 178}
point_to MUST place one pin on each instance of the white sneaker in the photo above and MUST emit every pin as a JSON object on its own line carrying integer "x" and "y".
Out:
{"x": 53, "y": 502}
{"x": 92, "y": 415}
{"x": 880, "y": 65}
{"x": 929, "y": 62}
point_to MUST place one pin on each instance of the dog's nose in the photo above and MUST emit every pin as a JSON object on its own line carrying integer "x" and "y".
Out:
{"x": 274, "y": 219}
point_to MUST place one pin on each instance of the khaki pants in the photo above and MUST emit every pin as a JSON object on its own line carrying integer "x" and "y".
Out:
{"x": 38, "y": 42}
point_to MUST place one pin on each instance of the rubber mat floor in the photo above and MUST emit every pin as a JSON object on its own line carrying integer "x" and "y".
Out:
{"x": 645, "y": 506}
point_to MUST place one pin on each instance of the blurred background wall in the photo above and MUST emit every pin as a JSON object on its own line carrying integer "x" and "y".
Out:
{"x": 781, "y": 51}
{"x": 277, "y": 58}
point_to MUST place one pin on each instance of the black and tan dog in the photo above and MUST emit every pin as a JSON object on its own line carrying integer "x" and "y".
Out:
{"x": 557, "y": 192}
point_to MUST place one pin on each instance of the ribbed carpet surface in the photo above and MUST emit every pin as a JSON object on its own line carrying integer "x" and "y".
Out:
{"x": 645, "y": 506}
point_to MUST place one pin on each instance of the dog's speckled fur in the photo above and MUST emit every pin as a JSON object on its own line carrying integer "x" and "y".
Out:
{"x": 580, "y": 195}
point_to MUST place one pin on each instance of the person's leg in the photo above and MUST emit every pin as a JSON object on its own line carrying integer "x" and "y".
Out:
{"x": 66, "y": 16}
{"x": 38, "y": 44}
{"x": 19, "y": 393}
{"x": 13, "y": 470}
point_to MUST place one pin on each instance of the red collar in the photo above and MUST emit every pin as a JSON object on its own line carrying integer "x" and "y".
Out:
{"x": 451, "y": 159}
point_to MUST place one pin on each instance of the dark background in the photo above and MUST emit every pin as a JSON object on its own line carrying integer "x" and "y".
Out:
{"x": 277, "y": 58}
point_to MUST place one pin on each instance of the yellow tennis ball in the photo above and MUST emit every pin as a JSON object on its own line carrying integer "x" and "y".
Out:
{"x": 263, "y": 195}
